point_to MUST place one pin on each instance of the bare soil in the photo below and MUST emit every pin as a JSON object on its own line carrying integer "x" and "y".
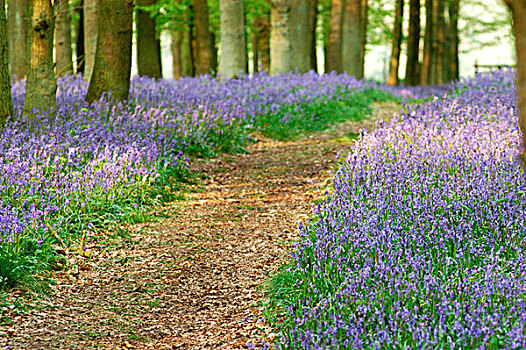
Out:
{"x": 192, "y": 280}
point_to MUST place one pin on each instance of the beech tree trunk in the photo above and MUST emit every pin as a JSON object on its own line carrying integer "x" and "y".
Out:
{"x": 413, "y": 44}
{"x": 441, "y": 52}
{"x": 111, "y": 72}
{"x": 264, "y": 42}
{"x": 148, "y": 43}
{"x": 352, "y": 38}
{"x": 205, "y": 55}
{"x": 91, "y": 15}
{"x": 394, "y": 63}
{"x": 176, "y": 53}
{"x": 18, "y": 17}
{"x": 428, "y": 44}
{"x": 79, "y": 49}
{"x": 518, "y": 9}
{"x": 41, "y": 86}
{"x": 301, "y": 24}
{"x": 233, "y": 60}
{"x": 365, "y": 7}
{"x": 63, "y": 50}
{"x": 333, "y": 57}
{"x": 314, "y": 54}
{"x": 280, "y": 46}
{"x": 454, "y": 40}
{"x": 186, "y": 49}
{"x": 6, "y": 104}
{"x": 254, "y": 41}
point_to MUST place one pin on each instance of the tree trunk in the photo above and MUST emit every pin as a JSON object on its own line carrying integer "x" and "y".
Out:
{"x": 205, "y": 49}
{"x": 314, "y": 54}
{"x": 176, "y": 53}
{"x": 428, "y": 44}
{"x": 352, "y": 38}
{"x": 91, "y": 15}
{"x": 454, "y": 39}
{"x": 280, "y": 46}
{"x": 264, "y": 42}
{"x": 18, "y": 12}
{"x": 148, "y": 43}
{"x": 80, "y": 40}
{"x": 6, "y": 104}
{"x": 254, "y": 41}
{"x": 232, "y": 61}
{"x": 518, "y": 9}
{"x": 413, "y": 44}
{"x": 111, "y": 72}
{"x": 63, "y": 51}
{"x": 435, "y": 44}
{"x": 394, "y": 63}
{"x": 363, "y": 18}
{"x": 186, "y": 49}
{"x": 440, "y": 43}
{"x": 333, "y": 57}
{"x": 41, "y": 86}
{"x": 301, "y": 24}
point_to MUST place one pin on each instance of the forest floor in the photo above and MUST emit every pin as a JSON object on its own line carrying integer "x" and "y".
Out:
{"x": 191, "y": 279}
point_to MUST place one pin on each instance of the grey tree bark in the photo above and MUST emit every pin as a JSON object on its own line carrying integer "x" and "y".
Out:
{"x": 63, "y": 50}
{"x": 91, "y": 21}
{"x": 301, "y": 32}
{"x": 333, "y": 57}
{"x": 41, "y": 85}
{"x": 352, "y": 39}
{"x": 112, "y": 69}
{"x": 6, "y": 104}
{"x": 17, "y": 24}
{"x": 233, "y": 59}
{"x": 148, "y": 43}
{"x": 280, "y": 46}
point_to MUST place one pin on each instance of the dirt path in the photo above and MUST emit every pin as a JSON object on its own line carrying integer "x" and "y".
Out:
{"x": 190, "y": 281}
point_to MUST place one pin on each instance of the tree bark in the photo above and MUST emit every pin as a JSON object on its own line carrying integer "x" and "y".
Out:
{"x": 6, "y": 104}
{"x": 301, "y": 24}
{"x": 41, "y": 85}
{"x": 232, "y": 61}
{"x": 111, "y": 72}
{"x": 205, "y": 57}
{"x": 264, "y": 42}
{"x": 314, "y": 54}
{"x": 18, "y": 17}
{"x": 176, "y": 53}
{"x": 333, "y": 57}
{"x": 63, "y": 50}
{"x": 280, "y": 46}
{"x": 254, "y": 41}
{"x": 363, "y": 19}
{"x": 186, "y": 49}
{"x": 441, "y": 43}
{"x": 428, "y": 44}
{"x": 148, "y": 43}
{"x": 80, "y": 40}
{"x": 394, "y": 62}
{"x": 518, "y": 9}
{"x": 352, "y": 38}
{"x": 413, "y": 44}
{"x": 454, "y": 42}
{"x": 91, "y": 15}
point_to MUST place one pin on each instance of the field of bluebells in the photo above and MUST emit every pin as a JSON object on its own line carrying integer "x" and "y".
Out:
{"x": 421, "y": 244}
{"x": 68, "y": 174}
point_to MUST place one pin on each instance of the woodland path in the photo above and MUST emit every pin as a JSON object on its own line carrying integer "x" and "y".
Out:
{"x": 191, "y": 280}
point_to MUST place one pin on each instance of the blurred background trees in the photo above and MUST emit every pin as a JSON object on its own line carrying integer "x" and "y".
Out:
{"x": 394, "y": 41}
